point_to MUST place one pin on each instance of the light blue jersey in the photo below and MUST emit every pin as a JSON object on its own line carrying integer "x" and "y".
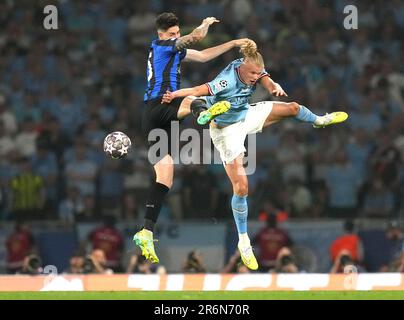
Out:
{"x": 228, "y": 86}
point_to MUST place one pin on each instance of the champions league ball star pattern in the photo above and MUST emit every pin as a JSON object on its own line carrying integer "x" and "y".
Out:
{"x": 117, "y": 145}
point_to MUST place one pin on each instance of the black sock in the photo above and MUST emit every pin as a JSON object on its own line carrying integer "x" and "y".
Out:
{"x": 149, "y": 225}
{"x": 197, "y": 106}
{"x": 157, "y": 195}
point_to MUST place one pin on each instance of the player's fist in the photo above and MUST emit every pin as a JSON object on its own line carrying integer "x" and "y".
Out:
{"x": 209, "y": 20}
{"x": 244, "y": 43}
{"x": 167, "y": 97}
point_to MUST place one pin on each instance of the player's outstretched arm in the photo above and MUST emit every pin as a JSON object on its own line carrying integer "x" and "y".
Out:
{"x": 196, "y": 35}
{"x": 273, "y": 88}
{"x": 198, "y": 91}
{"x": 211, "y": 53}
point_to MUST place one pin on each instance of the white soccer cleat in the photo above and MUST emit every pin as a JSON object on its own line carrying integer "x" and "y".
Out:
{"x": 331, "y": 118}
{"x": 247, "y": 256}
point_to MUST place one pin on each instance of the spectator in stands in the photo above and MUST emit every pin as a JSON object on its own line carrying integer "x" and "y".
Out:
{"x": 235, "y": 265}
{"x": 7, "y": 117}
{"x": 7, "y": 144}
{"x": 378, "y": 201}
{"x": 130, "y": 207}
{"x": 32, "y": 265}
{"x": 54, "y": 139}
{"x": 299, "y": 200}
{"x": 76, "y": 264}
{"x": 349, "y": 242}
{"x": 285, "y": 262}
{"x": 96, "y": 263}
{"x": 44, "y": 163}
{"x": 81, "y": 171}
{"x": 197, "y": 181}
{"x": 138, "y": 264}
{"x": 19, "y": 245}
{"x": 269, "y": 241}
{"x": 343, "y": 262}
{"x": 395, "y": 239}
{"x": 108, "y": 239}
{"x": 343, "y": 182}
{"x": 27, "y": 192}
{"x": 111, "y": 187}
{"x": 71, "y": 209}
{"x": 194, "y": 263}
{"x": 25, "y": 139}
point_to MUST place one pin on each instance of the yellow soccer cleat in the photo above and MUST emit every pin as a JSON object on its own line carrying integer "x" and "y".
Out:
{"x": 145, "y": 242}
{"x": 215, "y": 110}
{"x": 247, "y": 256}
{"x": 331, "y": 118}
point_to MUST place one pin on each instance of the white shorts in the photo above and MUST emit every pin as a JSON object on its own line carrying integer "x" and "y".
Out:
{"x": 229, "y": 141}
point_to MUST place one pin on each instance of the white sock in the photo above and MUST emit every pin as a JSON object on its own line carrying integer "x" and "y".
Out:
{"x": 148, "y": 233}
{"x": 243, "y": 239}
{"x": 319, "y": 121}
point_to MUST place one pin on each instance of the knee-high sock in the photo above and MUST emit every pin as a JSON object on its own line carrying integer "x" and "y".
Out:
{"x": 305, "y": 115}
{"x": 240, "y": 212}
{"x": 154, "y": 202}
{"x": 197, "y": 106}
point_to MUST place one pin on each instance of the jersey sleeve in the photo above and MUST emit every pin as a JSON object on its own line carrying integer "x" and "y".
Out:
{"x": 169, "y": 46}
{"x": 264, "y": 73}
{"x": 183, "y": 53}
{"x": 219, "y": 84}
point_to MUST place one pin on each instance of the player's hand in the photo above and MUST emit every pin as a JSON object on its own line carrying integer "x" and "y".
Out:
{"x": 209, "y": 21}
{"x": 278, "y": 91}
{"x": 167, "y": 97}
{"x": 244, "y": 42}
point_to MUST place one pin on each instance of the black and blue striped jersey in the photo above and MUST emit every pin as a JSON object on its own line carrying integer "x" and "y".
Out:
{"x": 163, "y": 68}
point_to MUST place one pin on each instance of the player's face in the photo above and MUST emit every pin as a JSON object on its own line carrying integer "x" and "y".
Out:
{"x": 250, "y": 72}
{"x": 173, "y": 32}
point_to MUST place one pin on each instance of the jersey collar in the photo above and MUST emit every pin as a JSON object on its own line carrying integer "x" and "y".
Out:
{"x": 238, "y": 76}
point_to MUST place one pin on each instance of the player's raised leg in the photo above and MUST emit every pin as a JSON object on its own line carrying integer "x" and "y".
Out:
{"x": 198, "y": 107}
{"x": 164, "y": 179}
{"x": 238, "y": 178}
{"x": 282, "y": 110}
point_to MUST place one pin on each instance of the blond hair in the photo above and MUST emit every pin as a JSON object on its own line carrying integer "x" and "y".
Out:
{"x": 250, "y": 53}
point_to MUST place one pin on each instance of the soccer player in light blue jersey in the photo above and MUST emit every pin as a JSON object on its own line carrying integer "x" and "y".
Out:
{"x": 236, "y": 84}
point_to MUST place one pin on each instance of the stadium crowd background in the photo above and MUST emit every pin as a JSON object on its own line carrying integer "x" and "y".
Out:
{"x": 62, "y": 91}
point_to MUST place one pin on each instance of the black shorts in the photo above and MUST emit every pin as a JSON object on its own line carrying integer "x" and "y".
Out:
{"x": 160, "y": 116}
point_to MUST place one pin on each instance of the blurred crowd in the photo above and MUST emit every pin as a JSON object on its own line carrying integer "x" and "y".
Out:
{"x": 62, "y": 91}
{"x": 103, "y": 252}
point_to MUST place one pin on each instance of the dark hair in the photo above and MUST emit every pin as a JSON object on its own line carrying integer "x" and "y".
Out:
{"x": 109, "y": 221}
{"x": 166, "y": 20}
{"x": 349, "y": 226}
{"x": 345, "y": 260}
{"x": 88, "y": 265}
{"x": 272, "y": 221}
{"x": 285, "y": 260}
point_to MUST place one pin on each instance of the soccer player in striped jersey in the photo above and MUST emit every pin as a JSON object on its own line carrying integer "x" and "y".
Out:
{"x": 163, "y": 74}
{"x": 236, "y": 84}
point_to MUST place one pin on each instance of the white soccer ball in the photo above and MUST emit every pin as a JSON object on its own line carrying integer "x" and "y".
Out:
{"x": 117, "y": 145}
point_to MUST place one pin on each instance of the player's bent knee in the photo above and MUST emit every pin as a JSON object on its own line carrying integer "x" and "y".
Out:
{"x": 241, "y": 189}
{"x": 294, "y": 108}
{"x": 168, "y": 183}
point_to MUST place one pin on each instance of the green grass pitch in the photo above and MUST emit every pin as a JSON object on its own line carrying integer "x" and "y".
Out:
{"x": 206, "y": 295}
